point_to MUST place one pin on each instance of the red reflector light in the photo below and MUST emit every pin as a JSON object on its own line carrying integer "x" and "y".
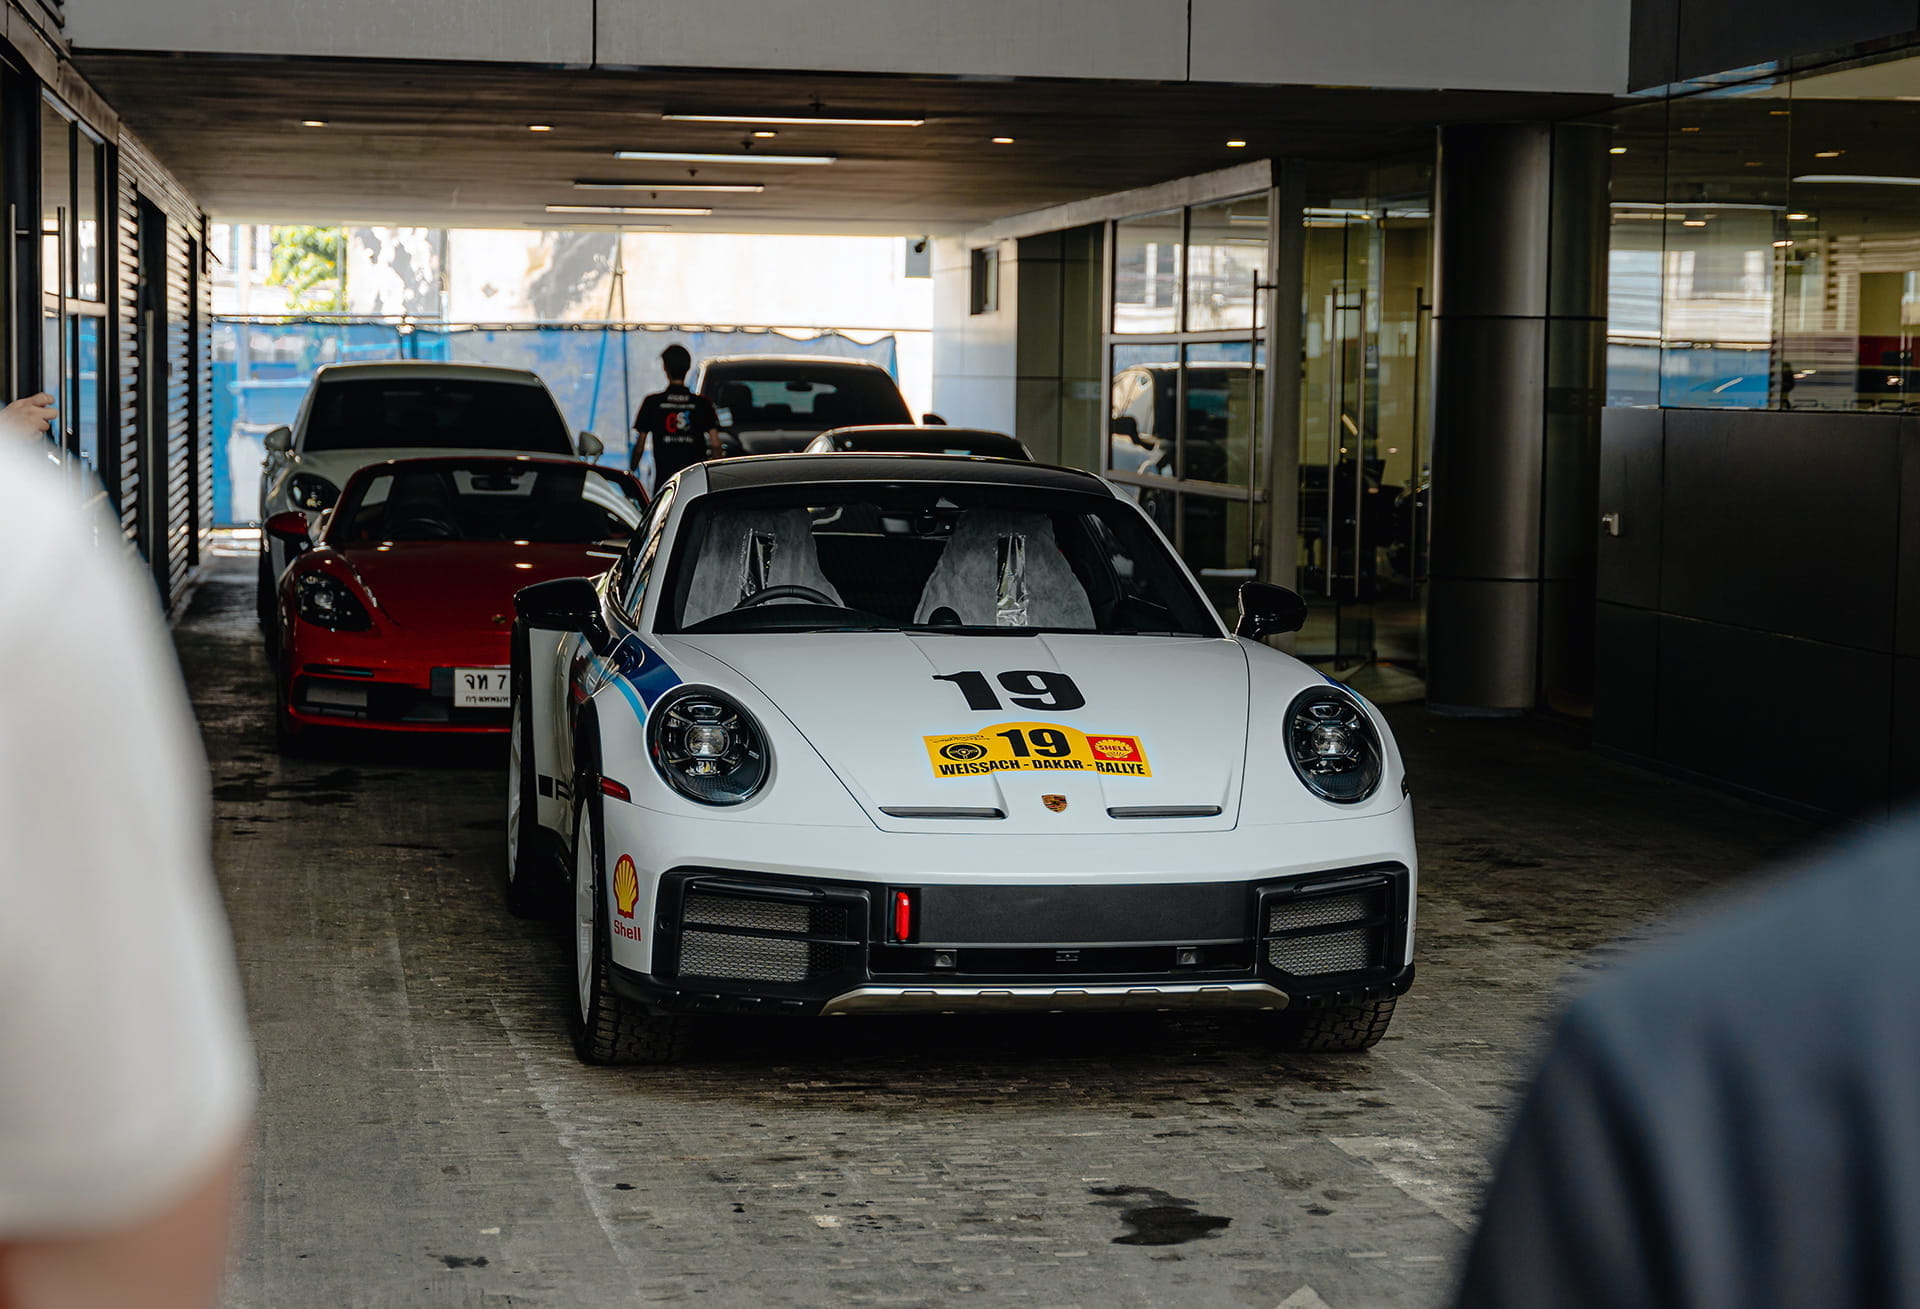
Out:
{"x": 615, "y": 789}
{"x": 902, "y": 916}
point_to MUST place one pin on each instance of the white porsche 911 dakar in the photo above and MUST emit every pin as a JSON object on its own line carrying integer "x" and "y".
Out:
{"x": 865, "y": 734}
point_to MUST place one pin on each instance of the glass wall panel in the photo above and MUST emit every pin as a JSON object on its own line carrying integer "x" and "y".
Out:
{"x": 1226, "y": 259}
{"x": 1146, "y": 273}
{"x": 1637, "y": 247}
{"x": 56, "y": 198}
{"x": 85, "y": 421}
{"x": 87, "y": 207}
{"x": 1142, "y": 434}
{"x": 1769, "y": 235}
{"x": 1727, "y": 197}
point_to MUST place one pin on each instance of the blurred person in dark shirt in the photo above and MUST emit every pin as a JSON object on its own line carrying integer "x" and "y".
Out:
{"x": 1731, "y": 1120}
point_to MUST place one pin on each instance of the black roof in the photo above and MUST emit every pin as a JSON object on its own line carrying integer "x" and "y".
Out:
{"x": 776, "y": 470}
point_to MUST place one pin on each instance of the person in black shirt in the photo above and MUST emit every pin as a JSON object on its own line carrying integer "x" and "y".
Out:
{"x": 682, "y": 427}
{"x": 1732, "y": 1119}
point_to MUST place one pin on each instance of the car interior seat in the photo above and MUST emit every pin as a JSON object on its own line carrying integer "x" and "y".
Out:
{"x": 748, "y": 550}
{"x": 1003, "y": 568}
{"x": 421, "y": 508}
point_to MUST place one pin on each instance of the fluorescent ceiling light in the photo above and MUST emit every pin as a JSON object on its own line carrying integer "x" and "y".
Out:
{"x": 730, "y": 188}
{"x": 707, "y": 157}
{"x": 1858, "y": 179}
{"x": 651, "y": 210}
{"x": 795, "y": 120}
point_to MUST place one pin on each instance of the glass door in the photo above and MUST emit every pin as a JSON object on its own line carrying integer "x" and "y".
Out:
{"x": 1364, "y": 451}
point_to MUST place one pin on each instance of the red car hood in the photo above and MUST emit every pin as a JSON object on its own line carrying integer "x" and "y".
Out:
{"x": 463, "y": 585}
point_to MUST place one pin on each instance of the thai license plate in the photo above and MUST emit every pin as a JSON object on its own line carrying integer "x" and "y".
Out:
{"x": 480, "y": 688}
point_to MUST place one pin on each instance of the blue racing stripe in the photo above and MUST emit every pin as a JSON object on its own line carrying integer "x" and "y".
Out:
{"x": 637, "y": 672}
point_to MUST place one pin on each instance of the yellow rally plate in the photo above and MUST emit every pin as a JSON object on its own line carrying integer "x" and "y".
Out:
{"x": 1036, "y": 748}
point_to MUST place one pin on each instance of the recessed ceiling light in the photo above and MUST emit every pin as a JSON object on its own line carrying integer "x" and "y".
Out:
{"x": 1828, "y": 154}
{"x": 794, "y": 120}
{"x": 1693, "y": 222}
{"x": 539, "y": 127}
{"x": 652, "y": 211}
{"x": 1798, "y": 218}
{"x": 1003, "y": 140}
{"x": 1859, "y": 179}
{"x": 710, "y": 157}
{"x": 1689, "y": 129}
{"x": 766, "y": 134}
{"x": 1617, "y": 150}
{"x": 313, "y": 122}
{"x": 1236, "y": 145}
{"x": 730, "y": 188}
{"x": 1778, "y": 113}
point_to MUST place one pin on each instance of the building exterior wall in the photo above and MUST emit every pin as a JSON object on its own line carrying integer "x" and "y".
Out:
{"x": 1554, "y": 45}
{"x": 134, "y": 426}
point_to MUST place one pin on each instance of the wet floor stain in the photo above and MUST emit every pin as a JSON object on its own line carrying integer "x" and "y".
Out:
{"x": 1163, "y": 1220}
{"x": 462, "y": 1261}
{"x": 334, "y": 787}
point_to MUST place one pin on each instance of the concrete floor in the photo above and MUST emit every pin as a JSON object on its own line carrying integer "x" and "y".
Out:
{"x": 426, "y": 1137}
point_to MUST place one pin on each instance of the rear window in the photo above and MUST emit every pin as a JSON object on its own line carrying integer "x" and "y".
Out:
{"x": 772, "y": 397}
{"x": 435, "y": 413}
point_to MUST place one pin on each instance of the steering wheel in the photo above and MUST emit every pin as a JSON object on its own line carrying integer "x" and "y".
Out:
{"x": 424, "y": 529}
{"x": 767, "y": 593}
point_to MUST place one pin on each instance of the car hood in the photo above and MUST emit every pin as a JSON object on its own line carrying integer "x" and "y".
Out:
{"x": 465, "y": 586}
{"x": 1167, "y": 716}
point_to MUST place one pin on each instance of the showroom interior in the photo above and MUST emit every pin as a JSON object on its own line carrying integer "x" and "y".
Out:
{"x": 1557, "y": 354}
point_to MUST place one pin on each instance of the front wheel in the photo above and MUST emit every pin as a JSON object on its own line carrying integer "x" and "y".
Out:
{"x": 529, "y": 877}
{"x": 1335, "y": 1028}
{"x": 607, "y": 1028}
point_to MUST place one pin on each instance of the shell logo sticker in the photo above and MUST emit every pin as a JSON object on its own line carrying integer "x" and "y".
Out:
{"x": 626, "y": 886}
{"x": 1035, "y": 748}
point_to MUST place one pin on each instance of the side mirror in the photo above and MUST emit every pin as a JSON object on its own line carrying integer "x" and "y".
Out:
{"x": 591, "y": 445}
{"x": 566, "y": 604}
{"x": 933, "y": 420}
{"x": 1268, "y": 610}
{"x": 280, "y": 440}
{"x": 1126, "y": 425}
{"x": 291, "y": 528}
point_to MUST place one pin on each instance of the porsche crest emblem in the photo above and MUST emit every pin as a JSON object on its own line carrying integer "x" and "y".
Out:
{"x": 1054, "y": 802}
{"x": 501, "y": 620}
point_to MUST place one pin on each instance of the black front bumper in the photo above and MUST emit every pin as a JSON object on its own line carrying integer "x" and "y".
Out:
{"x": 730, "y": 942}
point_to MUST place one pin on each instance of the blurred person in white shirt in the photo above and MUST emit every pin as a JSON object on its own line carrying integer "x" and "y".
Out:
{"x": 126, "y": 1078}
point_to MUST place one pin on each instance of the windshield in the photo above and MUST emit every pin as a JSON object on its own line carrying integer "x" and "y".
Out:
{"x": 487, "y": 500}
{"x": 964, "y": 560}
{"x": 777, "y": 396}
{"x": 435, "y": 413}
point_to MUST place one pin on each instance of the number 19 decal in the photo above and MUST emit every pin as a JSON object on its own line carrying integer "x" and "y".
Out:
{"x": 1029, "y": 689}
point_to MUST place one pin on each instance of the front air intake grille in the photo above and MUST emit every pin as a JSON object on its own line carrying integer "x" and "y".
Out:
{"x": 736, "y": 932}
{"x": 1340, "y": 927}
{"x": 755, "y": 958}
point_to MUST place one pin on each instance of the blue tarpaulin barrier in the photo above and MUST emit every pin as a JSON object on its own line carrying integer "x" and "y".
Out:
{"x": 598, "y": 372}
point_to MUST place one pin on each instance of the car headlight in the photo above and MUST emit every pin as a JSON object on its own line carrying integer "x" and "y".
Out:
{"x": 707, "y": 747}
{"x": 326, "y": 601}
{"x": 1333, "y": 746}
{"x": 311, "y": 491}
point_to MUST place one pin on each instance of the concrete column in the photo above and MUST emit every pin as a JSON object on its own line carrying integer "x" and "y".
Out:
{"x": 1519, "y": 339}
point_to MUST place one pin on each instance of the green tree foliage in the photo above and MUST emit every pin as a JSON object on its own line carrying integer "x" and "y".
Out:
{"x": 308, "y": 262}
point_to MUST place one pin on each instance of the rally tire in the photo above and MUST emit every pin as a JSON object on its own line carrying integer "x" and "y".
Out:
{"x": 531, "y": 889}
{"x": 607, "y": 1028}
{"x": 1334, "y": 1029}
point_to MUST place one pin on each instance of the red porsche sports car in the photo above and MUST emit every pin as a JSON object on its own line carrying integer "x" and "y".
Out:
{"x": 401, "y": 617}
